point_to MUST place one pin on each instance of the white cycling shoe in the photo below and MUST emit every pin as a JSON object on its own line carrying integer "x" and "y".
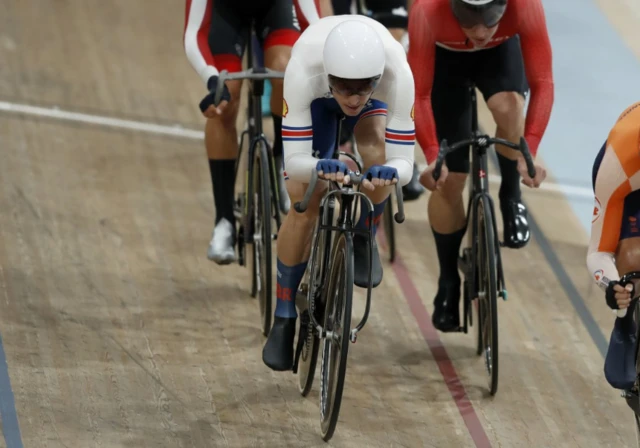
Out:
{"x": 222, "y": 245}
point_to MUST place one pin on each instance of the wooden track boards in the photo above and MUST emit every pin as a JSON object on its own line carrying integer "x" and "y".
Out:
{"x": 119, "y": 333}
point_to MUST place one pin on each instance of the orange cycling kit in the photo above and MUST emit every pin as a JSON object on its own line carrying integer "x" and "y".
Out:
{"x": 616, "y": 184}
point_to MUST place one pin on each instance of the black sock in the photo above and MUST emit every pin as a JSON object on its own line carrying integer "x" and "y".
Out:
{"x": 277, "y": 132}
{"x": 510, "y": 185}
{"x": 222, "y": 178}
{"x": 448, "y": 247}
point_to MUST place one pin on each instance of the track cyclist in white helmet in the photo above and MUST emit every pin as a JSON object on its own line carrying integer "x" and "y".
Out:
{"x": 349, "y": 65}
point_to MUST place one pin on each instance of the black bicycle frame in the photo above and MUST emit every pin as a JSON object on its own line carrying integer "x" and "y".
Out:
{"x": 479, "y": 189}
{"x": 256, "y": 135}
{"x": 345, "y": 223}
{"x": 631, "y": 395}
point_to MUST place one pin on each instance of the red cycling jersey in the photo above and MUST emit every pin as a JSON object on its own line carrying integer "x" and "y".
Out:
{"x": 431, "y": 23}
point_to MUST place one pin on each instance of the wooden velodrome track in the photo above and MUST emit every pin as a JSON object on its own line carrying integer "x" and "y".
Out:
{"x": 118, "y": 332}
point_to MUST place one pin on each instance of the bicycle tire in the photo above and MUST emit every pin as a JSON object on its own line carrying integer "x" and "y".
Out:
{"x": 317, "y": 275}
{"x": 262, "y": 253}
{"x": 389, "y": 229}
{"x": 340, "y": 287}
{"x": 480, "y": 321}
{"x": 488, "y": 302}
{"x": 247, "y": 222}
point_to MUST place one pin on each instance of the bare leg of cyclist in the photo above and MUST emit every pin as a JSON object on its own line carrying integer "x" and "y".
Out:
{"x": 293, "y": 255}
{"x": 447, "y": 218}
{"x": 507, "y": 110}
{"x": 628, "y": 255}
{"x": 276, "y": 58}
{"x": 369, "y": 135}
{"x": 221, "y": 142}
{"x": 628, "y": 259}
{"x": 397, "y": 33}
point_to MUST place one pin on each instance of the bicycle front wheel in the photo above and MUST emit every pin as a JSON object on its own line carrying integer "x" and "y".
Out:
{"x": 321, "y": 252}
{"x": 262, "y": 261}
{"x": 487, "y": 291}
{"x": 337, "y": 323}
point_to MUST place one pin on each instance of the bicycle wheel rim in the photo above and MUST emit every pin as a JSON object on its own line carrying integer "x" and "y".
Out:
{"x": 479, "y": 309}
{"x": 262, "y": 230}
{"x": 489, "y": 292}
{"x": 309, "y": 355}
{"x": 338, "y": 308}
{"x": 637, "y": 420}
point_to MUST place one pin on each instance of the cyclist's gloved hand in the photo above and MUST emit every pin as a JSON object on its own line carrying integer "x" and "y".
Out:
{"x": 428, "y": 181}
{"x": 379, "y": 176}
{"x": 619, "y": 297}
{"x": 332, "y": 169}
{"x": 207, "y": 106}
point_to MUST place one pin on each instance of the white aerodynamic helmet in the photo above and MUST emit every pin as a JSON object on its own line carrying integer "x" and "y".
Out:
{"x": 354, "y": 50}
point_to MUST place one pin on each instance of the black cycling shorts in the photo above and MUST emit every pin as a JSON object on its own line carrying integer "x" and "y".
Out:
{"x": 494, "y": 70}
{"x": 390, "y": 13}
{"x": 276, "y": 23}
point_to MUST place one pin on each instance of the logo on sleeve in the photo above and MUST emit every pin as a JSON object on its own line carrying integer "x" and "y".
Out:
{"x": 596, "y": 210}
{"x": 285, "y": 108}
{"x": 601, "y": 280}
{"x": 412, "y": 112}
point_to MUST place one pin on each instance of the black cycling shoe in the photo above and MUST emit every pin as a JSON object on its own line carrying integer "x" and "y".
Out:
{"x": 361, "y": 262}
{"x": 446, "y": 314}
{"x": 414, "y": 189}
{"x": 516, "y": 224}
{"x": 277, "y": 353}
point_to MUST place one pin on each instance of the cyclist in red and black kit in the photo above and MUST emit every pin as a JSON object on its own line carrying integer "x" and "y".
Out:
{"x": 214, "y": 40}
{"x": 503, "y": 47}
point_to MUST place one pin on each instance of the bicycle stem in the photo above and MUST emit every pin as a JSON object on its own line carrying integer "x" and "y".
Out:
{"x": 483, "y": 141}
{"x": 356, "y": 179}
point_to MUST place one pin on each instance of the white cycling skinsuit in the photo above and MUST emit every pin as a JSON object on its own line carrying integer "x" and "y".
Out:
{"x": 306, "y": 80}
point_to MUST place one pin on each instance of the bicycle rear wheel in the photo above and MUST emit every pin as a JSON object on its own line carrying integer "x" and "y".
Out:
{"x": 321, "y": 251}
{"x": 262, "y": 238}
{"x": 389, "y": 229}
{"x": 487, "y": 291}
{"x": 337, "y": 323}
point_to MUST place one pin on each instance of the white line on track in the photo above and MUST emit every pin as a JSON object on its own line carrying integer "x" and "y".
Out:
{"x": 175, "y": 131}
{"x": 179, "y": 131}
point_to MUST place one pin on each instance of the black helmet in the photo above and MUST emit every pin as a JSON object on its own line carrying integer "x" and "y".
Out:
{"x": 478, "y": 12}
